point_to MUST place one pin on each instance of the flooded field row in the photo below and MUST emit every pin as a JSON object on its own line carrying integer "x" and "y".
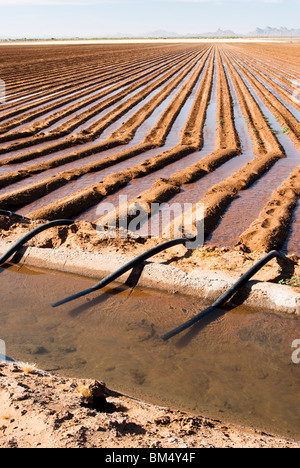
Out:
{"x": 211, "y": 124}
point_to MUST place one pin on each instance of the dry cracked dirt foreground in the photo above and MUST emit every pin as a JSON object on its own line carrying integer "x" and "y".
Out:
{"x": 47, "y": 411}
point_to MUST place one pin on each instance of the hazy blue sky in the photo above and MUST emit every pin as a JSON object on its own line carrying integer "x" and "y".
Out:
{"x": 95, "y": 18}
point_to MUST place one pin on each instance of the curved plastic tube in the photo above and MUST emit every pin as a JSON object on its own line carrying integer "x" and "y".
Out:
{"x": 121, "y": 271}
{"x": 15, "y": 215}
{"x": 31, "y": 234}
{"x": 225, "y": 297}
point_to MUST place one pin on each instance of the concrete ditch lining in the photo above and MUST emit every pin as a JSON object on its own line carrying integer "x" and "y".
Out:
{"x": 205, "y": 284}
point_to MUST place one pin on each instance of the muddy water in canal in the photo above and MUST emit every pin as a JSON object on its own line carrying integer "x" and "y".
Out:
{"x": 236, "y": 365}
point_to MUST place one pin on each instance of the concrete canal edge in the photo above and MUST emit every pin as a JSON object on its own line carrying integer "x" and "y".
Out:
{"x": 205, "y": 284}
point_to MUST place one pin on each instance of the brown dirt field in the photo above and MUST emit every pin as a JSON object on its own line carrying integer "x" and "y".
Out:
{"x": 63, "y": 417}
{"x": 227, "y": 66}
{"x": 123, "y": 69}
{"x": 160, "y": 71}
{"x": 208, "y": 123}
{"x": 82, "y": 236}
{"x": 272, "y": 221}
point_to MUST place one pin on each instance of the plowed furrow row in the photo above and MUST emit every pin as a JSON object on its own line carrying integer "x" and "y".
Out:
{"x": 38, "y": 90}
{"x": 158, "y": 136}
{"x": 283, "y": 115}
{"x": 283, "y": 60}
{"x": 279, "y": 73}
{"x": 269, "y": 230}
{"x": 39, "y": 77}
{"x": 219, "y": 197}
{"x": 72, "y": 123}
{"x": 157, "y": 123}
{"x": 94, "y": 130}
{"x": 284, "y": 91}
{"x": 115, "y": 181}
{"x": 263, "y": 139}
{"x": 84, "y": 78}
{"x": 79, "y": 74}
{"x": 28, "y": 116}
{"x": 75, "y": 86}
{"x": 126, "y": 131}
{"x": 227, "y": 147}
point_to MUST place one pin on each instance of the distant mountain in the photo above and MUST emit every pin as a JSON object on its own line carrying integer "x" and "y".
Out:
{"x": 267, "y": 32}
{"x": 274, "y": 32}
{"x": 218, "y": 33}
{"x": 162, "y": 34}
